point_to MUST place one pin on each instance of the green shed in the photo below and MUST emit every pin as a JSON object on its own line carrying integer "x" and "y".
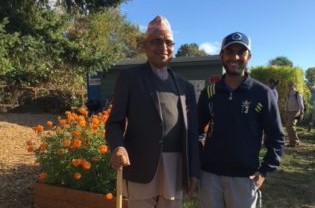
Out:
{"x": 200, "y": 71}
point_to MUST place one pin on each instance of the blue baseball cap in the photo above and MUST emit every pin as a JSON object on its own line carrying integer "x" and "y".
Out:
{"x": 236, "y": 37}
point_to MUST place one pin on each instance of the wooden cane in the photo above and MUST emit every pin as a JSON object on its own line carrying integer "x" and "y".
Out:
{"x": 119, "y": 189}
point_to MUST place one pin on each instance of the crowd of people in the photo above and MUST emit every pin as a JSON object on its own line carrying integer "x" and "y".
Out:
{"x": 155, "y": 121}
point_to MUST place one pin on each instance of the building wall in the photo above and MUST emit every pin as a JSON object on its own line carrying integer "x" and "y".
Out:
{"x": 198, "y": 70}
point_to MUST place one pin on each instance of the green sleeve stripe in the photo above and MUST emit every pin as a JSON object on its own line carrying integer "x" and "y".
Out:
{"x": 210, "y": 90}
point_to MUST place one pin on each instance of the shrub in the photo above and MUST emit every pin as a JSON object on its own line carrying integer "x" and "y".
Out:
{"x": 74, "y": 154}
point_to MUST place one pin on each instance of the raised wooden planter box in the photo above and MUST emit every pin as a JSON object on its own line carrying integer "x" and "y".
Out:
{"x": 47, "y": 196}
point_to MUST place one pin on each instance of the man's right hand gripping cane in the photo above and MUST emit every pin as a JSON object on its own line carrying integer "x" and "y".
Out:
{"x": 119, "y": 158}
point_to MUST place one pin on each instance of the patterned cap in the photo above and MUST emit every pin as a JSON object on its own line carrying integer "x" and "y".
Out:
{"x": 157, "y": 24}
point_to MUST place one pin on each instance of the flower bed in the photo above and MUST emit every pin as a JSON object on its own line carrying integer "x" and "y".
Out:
{"x": 74, "y": 154}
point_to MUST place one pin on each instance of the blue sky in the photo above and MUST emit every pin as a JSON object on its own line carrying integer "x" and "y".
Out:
{"x": 276, "y": 27}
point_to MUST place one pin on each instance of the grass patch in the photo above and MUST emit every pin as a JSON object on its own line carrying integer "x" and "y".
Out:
{"x": 293, "y": 185}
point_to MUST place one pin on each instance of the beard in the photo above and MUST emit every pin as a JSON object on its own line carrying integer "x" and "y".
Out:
{"x": 236, "y": 72}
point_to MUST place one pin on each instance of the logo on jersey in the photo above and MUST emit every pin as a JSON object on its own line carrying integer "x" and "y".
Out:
{"x": 245, "y": 106}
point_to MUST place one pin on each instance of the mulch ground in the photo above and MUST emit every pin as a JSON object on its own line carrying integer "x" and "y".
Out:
{"x": 16, "y": 164}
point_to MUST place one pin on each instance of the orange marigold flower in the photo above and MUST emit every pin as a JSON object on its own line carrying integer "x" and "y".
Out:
{"x": 94, "y": 127}
{"x": 82, "y": 123}
{"x": 50, "y": 124}
{"x": 86, "y": 165}
{"x": 67, "y": 142}
{"x": 77, "y": 176}
{"x": 76, "y": 162}
{"x": 43, "y": 146}
{"x": 108, "y": 196}
{"x": 103, "y": 148}
{"x": 94, "y": 120}
{"x": 104, "y": 118}
{"x": 83, "y": 111}
{"x": 62, "y": 122}
{"x": 80, "y": 119}
{"x": 38, "y": 128}
{"x": 77, "y": 143}
{"x": 106, "y": 112}
{"x": 70, "y": 118}
{"x": 42, "y": 176}
{"x": 76, "y": 133}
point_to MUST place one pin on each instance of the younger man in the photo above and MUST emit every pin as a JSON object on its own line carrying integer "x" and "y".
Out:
{"x": 239, "y": 109}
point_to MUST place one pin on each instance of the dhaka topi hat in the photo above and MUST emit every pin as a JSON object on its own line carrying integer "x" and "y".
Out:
{"x": 159, "y": 23}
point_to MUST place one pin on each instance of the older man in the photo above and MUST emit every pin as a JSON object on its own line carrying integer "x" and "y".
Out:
{"x": 152, "y": 129}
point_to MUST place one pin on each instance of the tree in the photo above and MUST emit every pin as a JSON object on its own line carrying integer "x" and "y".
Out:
{"x": 43, "y": 47}
{"x": 103, "y": 38}
{"x": 310, "y": 78}
{"x": 87, "y": 6}
{"x": 281, "y": 61}
{"x": 190, "y": 50}
{"x": 284, "y": 74}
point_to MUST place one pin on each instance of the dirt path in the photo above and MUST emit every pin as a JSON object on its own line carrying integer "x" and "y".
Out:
{"x": 16, "y": 164}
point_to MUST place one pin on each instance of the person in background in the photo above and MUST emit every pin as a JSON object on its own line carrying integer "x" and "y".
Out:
{"x": 239, "y": 109}
{"x": 152, "y": 128}
{"x": 294, "y": 108}
{"x": 273, "y": 86}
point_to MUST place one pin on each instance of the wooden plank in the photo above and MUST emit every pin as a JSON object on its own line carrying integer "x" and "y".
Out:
{"x": 47, "y": 196}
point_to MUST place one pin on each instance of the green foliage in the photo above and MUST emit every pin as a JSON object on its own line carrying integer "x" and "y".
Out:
{"x": 87, "y": 6}
{"x": 43, "y": 47}
{"x": 103, "y": 39}
{"x": 190, "y": 50}
{"x": 73, "y": 154}
{"x": 310, "y": 78}
{"x": 6, "y": 42}
{"x": 55, "y": 101}
{"x": 284, "y": 74}
{"x": 36, "y": 47}
{"x": 281, "y": 61}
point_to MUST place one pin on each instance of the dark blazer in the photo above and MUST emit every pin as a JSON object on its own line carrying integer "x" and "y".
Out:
{"x": 136, "y": 102}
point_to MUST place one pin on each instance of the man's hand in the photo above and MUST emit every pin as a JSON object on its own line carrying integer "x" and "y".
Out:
{"x": 119, "y": 158}
{"x": 258, "y": 178}
{"x": 192, "y": 187}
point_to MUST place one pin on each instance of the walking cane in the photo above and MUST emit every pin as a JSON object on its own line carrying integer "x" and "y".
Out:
{"x": 119, "y": 189}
